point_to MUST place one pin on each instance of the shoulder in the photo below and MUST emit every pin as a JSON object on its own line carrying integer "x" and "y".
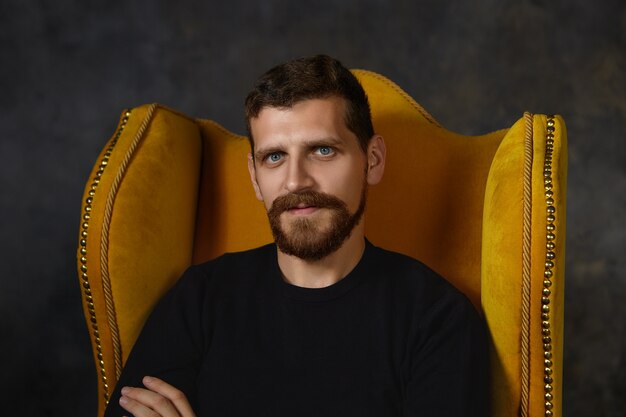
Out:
{"x": 399, "y": 267}
{"x": 237, "y": 260}
{"x": 229, "y": 270}
{"x": 414, "y": 281}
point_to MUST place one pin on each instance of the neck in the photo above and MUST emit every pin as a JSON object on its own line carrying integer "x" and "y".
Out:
{"x": 328, "y": 270}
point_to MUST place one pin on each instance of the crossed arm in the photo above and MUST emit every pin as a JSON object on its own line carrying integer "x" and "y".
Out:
{"x": 158, "y": 398}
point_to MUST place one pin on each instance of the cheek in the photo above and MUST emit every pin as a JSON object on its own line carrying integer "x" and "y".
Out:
{"x": 268, "y": 198}
{"x": 268, "y": 189}
{"x": 348, "y": 187}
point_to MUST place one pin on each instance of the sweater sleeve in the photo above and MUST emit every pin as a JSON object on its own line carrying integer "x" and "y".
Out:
{"x": 449, "y": 366}
{"x": 171, "y": 342}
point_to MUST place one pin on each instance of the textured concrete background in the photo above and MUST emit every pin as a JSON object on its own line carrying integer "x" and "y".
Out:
{"x": 69, "y": 67}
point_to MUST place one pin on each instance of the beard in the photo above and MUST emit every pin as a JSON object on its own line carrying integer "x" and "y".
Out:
{"x": 304, "y": 237}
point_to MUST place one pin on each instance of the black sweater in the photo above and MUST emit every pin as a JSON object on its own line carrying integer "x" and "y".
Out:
{"x": 392, "y": 338}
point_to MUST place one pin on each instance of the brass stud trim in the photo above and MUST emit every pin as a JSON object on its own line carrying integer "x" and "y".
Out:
{"x": 83, "y": 251}
{"x": 548, "y": 273}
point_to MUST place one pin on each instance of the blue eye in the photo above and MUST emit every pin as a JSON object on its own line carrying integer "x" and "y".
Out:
{"x": 274, "y": 157}
{"x": 325, "y": 150}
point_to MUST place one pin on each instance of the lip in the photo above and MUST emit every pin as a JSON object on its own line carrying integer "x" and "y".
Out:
{"x": 303, "y": 210}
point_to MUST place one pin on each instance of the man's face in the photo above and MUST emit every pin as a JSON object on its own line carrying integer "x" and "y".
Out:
{"x": 311, "y": 174}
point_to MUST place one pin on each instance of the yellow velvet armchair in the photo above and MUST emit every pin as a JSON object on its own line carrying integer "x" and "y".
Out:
{"x": 487, "y": 212}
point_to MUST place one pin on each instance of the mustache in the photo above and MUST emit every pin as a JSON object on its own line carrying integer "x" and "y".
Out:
{"x": 307, "y": 198}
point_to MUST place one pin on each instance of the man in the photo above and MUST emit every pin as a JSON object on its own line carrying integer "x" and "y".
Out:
{"x": 322, "y": 323}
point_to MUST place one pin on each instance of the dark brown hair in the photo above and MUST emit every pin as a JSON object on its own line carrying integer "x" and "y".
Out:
{"x": 302, "y": 79}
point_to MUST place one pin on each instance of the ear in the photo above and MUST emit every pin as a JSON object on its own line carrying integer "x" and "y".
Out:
{"x": 252, "y": 171}
{"x": 376, "y": 154}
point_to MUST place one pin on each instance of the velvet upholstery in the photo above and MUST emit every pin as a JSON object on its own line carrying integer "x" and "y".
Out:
{"x": 169, "y": 190}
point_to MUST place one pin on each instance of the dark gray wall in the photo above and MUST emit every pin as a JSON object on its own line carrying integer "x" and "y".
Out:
{"x": 69, "y": 67}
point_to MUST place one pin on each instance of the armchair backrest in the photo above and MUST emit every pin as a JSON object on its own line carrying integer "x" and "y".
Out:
{"x": 487, "y": 212}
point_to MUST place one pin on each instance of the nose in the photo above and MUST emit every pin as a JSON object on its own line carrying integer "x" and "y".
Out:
{"x": 298, "y": 176}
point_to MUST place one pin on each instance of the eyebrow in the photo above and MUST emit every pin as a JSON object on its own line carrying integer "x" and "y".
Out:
{"x": 309, "y": 143}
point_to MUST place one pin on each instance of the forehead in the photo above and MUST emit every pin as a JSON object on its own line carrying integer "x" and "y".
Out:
{"x": 306, "y": 120}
